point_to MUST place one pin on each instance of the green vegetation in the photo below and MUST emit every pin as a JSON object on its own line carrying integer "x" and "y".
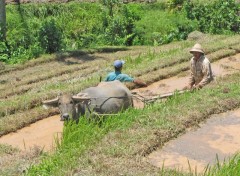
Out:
{"x": 161, "y": 27}
{"x": 35, "y": 29}
{"x": 231, "y": 167}
{"x": 218, "y": 17}
{"x": 6, "y": 149}
{"x": 82, "y": 47}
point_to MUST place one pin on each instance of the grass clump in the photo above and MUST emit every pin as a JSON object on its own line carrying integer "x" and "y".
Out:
{"x": 228, "y": 167}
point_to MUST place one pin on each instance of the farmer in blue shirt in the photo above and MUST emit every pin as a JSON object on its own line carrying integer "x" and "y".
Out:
{"x": 118, "y": 75}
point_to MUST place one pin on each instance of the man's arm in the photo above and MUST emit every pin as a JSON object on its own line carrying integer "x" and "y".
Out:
{"x": 207, "y": 74}
{"x": 127, "y": 78}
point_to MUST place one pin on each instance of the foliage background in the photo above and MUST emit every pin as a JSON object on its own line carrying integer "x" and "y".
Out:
{"x": 35, "y": 29}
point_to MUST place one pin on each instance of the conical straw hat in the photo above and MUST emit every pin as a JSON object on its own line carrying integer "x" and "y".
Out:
{"x": 197, "y": 48}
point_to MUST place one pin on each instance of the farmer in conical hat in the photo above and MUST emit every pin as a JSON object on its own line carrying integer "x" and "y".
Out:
{"x": 200, "y": 67}
{"x": 118, "y": 75}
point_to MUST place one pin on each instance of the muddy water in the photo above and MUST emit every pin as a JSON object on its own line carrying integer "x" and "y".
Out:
{"x": 42, "y": 133}
{"x": 223, "y": 67}
{"x": 219, "y": 136}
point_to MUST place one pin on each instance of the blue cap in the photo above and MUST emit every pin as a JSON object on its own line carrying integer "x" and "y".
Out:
{"x": 118, "y": 63}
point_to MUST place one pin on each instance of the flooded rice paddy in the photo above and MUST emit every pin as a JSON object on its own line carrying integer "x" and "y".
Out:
{"x": 218, "y": 136}
{"x": 41, "y": 134}
{"x": 215, "y": 141}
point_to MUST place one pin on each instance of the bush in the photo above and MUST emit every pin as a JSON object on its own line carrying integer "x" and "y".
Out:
{"x": 50, "y": 36}
{"x": 4, "y": 52}
{"x": 119, "y": 29}
{"x": 217, "y": 18}
{"x": 36, "y": 29}
{"x": 161, "y": 27}
{"x": 175, "y": 4}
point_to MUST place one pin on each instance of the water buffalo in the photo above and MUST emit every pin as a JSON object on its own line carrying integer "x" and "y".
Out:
{"x": 106, "y": 98}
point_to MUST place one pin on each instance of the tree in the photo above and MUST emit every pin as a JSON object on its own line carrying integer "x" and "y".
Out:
{"x": 2, "y": 20}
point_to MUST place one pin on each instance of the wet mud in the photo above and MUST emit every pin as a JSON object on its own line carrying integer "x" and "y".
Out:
{"x": 43, "y": 132}
{"x": 215, "y": 141}
{"x": 223, "y": 67}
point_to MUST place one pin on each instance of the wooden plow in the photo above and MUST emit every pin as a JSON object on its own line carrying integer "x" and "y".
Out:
{"x": 155, "y": 97}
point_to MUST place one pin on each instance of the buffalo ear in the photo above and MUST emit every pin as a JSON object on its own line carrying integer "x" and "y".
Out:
{"x": 50, "y": 103}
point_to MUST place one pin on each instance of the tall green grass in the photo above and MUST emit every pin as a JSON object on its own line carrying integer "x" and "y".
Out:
{"x": 78, "y": 138}
{"x": 228, "y": 167}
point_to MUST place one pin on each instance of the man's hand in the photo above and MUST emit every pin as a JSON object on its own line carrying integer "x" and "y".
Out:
{"x": 197, "y": 87}
{"x": 140, "y": 82}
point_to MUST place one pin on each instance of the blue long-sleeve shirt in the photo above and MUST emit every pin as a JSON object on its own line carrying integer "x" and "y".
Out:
{"x": 117, "y": 75}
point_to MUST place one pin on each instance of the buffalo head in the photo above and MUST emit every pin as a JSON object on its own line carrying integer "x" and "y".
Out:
{"x": 70, "y": 106}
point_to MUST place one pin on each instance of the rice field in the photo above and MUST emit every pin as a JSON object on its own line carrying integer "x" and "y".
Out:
{"x": 23, "y": 87}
